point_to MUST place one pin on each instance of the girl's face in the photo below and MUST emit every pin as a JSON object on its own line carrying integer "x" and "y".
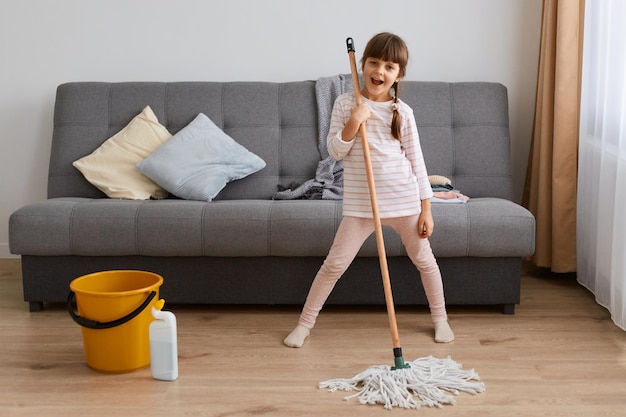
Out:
{"x": 378, "y": 77}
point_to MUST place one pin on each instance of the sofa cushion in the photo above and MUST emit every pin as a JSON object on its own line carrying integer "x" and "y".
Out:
{"x": 483, "y": 227}
{"x": 199, "y": 160}
{"x": 112, "y": 166}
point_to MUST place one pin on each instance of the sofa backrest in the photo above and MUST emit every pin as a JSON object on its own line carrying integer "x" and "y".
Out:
{"x": 464, "y": 133}
{"x": 276, "y": 121}
{"x": 463, "y": 129}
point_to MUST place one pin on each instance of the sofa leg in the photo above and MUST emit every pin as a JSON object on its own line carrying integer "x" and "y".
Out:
{"x": 508, "y": 309}
{"x": 35, "y": 306}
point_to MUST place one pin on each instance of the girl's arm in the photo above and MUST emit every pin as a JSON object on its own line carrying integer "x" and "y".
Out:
{"x": 413, "y": 152}
{"x": 345, "y": 120}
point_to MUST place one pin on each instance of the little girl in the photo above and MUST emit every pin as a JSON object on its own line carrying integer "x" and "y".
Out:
{"x": 402, "y": 186}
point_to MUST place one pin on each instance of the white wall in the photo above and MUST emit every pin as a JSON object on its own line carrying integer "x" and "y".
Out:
{"x": 44, "y": 43}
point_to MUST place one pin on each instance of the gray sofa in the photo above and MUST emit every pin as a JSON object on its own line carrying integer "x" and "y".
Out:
{"x": 246, "y": 247}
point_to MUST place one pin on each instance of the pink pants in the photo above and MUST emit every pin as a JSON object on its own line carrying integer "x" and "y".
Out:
{"x": 350, "y": 236}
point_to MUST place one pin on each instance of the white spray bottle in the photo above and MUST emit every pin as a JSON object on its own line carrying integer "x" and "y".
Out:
{"x": 163, "y": 344}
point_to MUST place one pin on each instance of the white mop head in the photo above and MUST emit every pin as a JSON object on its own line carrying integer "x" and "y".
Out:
{"x": 424, "y": 383}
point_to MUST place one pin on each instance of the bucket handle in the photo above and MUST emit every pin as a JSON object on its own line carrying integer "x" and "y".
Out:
{"x": 97, "y": 325}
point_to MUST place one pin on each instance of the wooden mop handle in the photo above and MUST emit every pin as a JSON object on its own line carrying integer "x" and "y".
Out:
{"x": 380, "y": 243}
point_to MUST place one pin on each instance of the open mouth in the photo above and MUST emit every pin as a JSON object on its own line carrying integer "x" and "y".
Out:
{"x": 377, "y": 82}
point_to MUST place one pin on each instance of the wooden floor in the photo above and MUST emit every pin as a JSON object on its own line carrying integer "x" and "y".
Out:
{"x": 559, "y": 355}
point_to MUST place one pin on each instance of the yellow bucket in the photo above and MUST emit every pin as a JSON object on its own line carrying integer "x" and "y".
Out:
{"x": 115, "y": 312}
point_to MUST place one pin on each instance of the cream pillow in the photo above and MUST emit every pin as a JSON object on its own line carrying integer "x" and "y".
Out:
{"x": 112, "y": 167}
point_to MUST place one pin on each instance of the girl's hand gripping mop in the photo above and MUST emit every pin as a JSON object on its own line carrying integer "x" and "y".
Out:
{"x": 407, "y": 385}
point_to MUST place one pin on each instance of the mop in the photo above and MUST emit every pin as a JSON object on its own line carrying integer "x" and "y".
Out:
{"x": 425, "y": 381}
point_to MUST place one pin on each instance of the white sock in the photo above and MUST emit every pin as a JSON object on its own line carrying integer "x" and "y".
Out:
{"x": 443, "y": 332}
{"x": 296, "y": 338}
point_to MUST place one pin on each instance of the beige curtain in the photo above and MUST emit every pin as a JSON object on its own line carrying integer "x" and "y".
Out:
{"x": 550, "y": 189}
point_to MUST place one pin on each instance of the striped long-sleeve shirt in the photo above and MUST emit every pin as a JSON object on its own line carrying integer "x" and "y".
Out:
{"x": 399, "y": 170}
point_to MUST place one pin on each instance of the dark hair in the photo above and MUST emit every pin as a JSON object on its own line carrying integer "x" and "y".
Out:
{"x": 389, "y": 47}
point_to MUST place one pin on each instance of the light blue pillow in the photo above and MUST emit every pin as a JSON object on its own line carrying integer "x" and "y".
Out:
{"x": 199, "y": 160}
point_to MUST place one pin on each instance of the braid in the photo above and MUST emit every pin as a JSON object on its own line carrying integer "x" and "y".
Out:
{"x": 396, "y": 119}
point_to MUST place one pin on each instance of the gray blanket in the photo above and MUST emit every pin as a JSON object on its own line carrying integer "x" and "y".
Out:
{"x": 328, "y": 181}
